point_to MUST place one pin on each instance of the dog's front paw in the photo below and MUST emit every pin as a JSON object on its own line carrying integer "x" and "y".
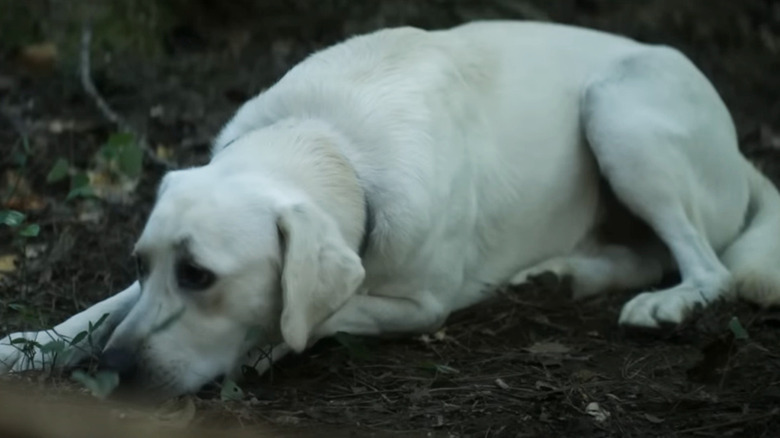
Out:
{"x": 654, "y": 310}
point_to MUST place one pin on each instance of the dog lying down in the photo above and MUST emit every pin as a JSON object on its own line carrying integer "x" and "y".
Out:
{"x": 394, "y": 178}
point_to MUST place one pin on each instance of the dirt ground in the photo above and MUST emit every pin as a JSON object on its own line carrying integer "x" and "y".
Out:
{"x": 530, "y": 363}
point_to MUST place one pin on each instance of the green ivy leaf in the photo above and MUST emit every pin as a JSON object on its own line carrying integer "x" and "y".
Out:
{"x": 59, "y": 171}
{"x": 12, "y": 218}
{"x": 131, "y": 159}
{"x": 81, "y": 192}
{"x": 31, "y": 230}
{"x": 118, "y": 140}
{"x": 79, "y": 187}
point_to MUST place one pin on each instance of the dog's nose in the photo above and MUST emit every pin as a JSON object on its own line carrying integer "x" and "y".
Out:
{"x": 119, "y": 360}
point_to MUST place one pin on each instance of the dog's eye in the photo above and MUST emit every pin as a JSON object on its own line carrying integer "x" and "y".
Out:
{"x": 141, "y": 267}
{"x": 193, "y": 277}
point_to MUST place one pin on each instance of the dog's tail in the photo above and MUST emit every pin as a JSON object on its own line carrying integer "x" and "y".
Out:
{"x": 754, "y": 256}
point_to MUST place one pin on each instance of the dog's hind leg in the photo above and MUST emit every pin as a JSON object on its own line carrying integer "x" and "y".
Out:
{"x": 89, "y": 329}
{"x": 603, "y": 268}
{"x": 666, "y": 144}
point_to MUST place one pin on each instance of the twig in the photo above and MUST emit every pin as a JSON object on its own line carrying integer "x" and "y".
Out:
{"x": 103, "y": 106}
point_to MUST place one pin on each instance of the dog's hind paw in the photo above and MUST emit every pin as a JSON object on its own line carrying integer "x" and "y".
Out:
{"x": 655, "y": 310}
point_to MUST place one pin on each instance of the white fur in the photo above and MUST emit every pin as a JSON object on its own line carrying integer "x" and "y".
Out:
{"x": 479, "y": 151}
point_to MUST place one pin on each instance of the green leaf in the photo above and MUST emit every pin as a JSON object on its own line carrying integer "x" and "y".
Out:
{"x": 118, "y": 140}
{"x": 101, "y": 385}
{"x": 81, "y": 192}
{"x": 18, "y": 307}
{"x": 79, "y": 337}
{"x": 131, "y": 160}
{"x": 79, "y": 180}
{"x": 12, "y": 218}
{"x": 25, "y": 342}
{"x": 53, "y": 347}
{"x": 737, "y": 329}
{"x": 109, "y": 152}
{"x": 231, "y": 391}
{"x": 79, "y": 187}
{"x": 59, "y": 171}
{"x": 93, "y": 327}
{"x": 31, "y": 230}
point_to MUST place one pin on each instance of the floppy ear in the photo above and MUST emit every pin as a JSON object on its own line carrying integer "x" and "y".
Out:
{"x": 320, "y": 271}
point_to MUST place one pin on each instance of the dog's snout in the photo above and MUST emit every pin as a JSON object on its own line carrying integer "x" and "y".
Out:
{"x": 119, "y": 360}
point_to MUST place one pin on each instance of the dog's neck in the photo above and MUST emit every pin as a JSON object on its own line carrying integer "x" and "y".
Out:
{"x": 314, "y": 159}
{"x": 310, "y": 154}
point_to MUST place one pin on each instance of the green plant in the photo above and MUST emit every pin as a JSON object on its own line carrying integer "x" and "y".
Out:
{"x": 60, "y": 348}
{"x": 119, "y": 160}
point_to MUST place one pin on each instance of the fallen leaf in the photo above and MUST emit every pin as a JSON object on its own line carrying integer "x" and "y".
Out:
{"x": 21, "y": 197}
{"x": 7, "y": 263}
{"x": 653, "y": 419}
{"x": 501, "y": 384}
{"x": 107, "y": 186}
{"x": 541, "y": 385}
{"x": 41, "y": 56}
{"x": 597, "y": 412}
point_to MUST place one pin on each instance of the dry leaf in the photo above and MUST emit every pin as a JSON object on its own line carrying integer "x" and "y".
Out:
{"x": 111, "y": 188}
{"x": 597, "y": 412}
{"x": 22, "y": 196}
{"x": 40, "y": 56}
{"x": 7, "y": 264}
{"x": 163, "y": 153}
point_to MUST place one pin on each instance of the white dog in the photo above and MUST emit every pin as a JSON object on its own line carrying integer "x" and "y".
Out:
{"x": 390, "y": 180}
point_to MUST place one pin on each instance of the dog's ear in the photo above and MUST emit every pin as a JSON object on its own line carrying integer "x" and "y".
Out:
{"x": 319, "y": 273}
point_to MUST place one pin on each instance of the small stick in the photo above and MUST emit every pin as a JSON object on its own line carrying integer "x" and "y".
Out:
{"x": 103, "y": 106}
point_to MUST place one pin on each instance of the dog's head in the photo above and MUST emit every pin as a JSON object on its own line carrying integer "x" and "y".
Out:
{"x": 232, "y": 258}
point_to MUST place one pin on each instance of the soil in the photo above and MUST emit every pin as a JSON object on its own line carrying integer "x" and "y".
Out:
{"x": 529, "y": 363}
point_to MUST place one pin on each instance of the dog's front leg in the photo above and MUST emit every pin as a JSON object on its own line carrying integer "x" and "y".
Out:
{"x": 89, "y": 329}
{"x": 371, "y": 315}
